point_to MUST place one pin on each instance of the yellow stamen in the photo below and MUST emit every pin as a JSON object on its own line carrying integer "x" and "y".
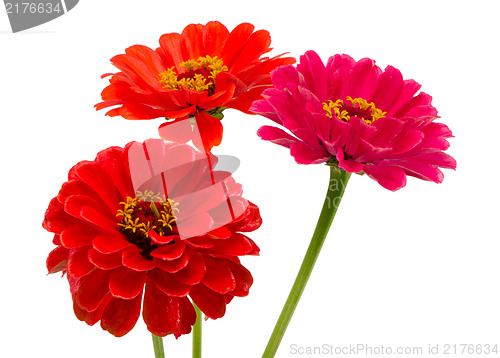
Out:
{"x": 169, "y": 78}
{"x": 164, "y": 212}
{"x": 357, "y": 107}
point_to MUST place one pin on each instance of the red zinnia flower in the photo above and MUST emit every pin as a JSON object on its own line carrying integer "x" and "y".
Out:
{"x": 358, "y": 117}
{"x": 196, "y": 73}
{"x": 150, "y": 225}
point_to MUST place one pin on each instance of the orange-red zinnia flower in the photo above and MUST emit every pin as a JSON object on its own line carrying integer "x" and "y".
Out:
{"x": 196, "y": 73}
{"x": 150, "y": 225}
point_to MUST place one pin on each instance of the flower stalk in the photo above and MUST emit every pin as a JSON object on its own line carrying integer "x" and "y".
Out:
{"x": 158, "y": 346}
{"x": 197, "y": 333}
{"x": 336, "y": 188}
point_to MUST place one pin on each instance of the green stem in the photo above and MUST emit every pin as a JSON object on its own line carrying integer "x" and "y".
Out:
{"x": 336, "y": 188}
{"x": 158, "y": 347}
{"x": 197, "y": 333}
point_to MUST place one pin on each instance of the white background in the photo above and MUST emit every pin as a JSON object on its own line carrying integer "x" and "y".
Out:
{"x": 412, "y": 268}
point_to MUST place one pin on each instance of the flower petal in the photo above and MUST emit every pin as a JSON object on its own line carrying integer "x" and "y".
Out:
{"x": 120, "y": 316}
{"x": 392, "y": 178}
{"x": 57, "y": 259}
{"x": 107, "y": 243}
{"x": 211, "y": 303}
{"x": 77, "y": 236}
{"x": 126, "y": 283}
{"x": 161, "y": 312}
{"x": 105, "y": 261}
{"x": 169, "y": 252}
{"x": 277, "y": 136}
{"x": 207, "y": 131}
{"x": 78, "y": 263}
{"x": 218, "y": 277}
{"x": 193, "y": 273}
{"x": 174, "y": 265}
{"x": 92, "y": 290}
{"x": 135, "y": 261}
{"x": 167, "y": 284}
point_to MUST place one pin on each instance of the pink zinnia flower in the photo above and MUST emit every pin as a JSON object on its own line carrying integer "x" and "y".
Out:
{"x": 354, "y": 115}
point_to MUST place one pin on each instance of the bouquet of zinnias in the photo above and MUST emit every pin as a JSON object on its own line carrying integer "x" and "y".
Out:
{"x": 160, "y": 226}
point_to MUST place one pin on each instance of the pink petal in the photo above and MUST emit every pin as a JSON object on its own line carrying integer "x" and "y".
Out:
{"x": 392, "y": 178}
{"x": 276, "y": 135}
{"x": 303, "y": 154}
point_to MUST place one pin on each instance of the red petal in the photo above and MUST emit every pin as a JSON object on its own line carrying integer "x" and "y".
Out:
{"x": 125, "y": 283}
{"x": 175, "y": 265}
{"x": 114, "y": 159}
{"x": 136, "y": 70}
{"x": 169, "y": 252}
{"x": 214, "y": 38}
{"x": 188, "y": 317}
{"x": 237, "y": 245}
{"x": 220, "y": 233}
{"x": 160, "y": 312}
{"x": 106, "y": 243}
{"x": 93, "y": 317}
{"x": 258, "y": 44}
{"x": 105, "y": 261}
{"x": 140, "y": 111}
{"x": 222, "y": 96}
{"x": 193, "y": 272}
{"x": 149, "y": 57}
{"x": 120, "y": 316}
{"x": 251, "y": 220}
{"x": 56, "y": 220}
{"x": 78, "y": 263}
{"x": 169, "y": 286}
{"x": 92, "y": 290}
{"x": 235, "y": 41}
{"x": 218, "y": 277}
{"x": 242, "y": 276}
{"x": 78, "y": 235}
{"x": 211, "y": 303}
{"x": 134, "y": 260}
{"x": 57, "y": 259}
{"x": 172, "y": 50}
{"x": 87, "y": 209}
{"x": 192, "y": 40}
{"x": 207, "y": 131}
{"x": 97, "y": 177}
{"x": 158, "y": 239}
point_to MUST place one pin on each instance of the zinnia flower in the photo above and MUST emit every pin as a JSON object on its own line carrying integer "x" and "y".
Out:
{"x": 199, "y": 72}
{"x": 150, "y": 225}
{"x": 356, "y": 116}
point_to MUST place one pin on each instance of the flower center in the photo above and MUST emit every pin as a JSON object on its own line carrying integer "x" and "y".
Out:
{"x": 200, "y": 75}
{"x": 144, "y": 213}
{"x": 353, "y": 107}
